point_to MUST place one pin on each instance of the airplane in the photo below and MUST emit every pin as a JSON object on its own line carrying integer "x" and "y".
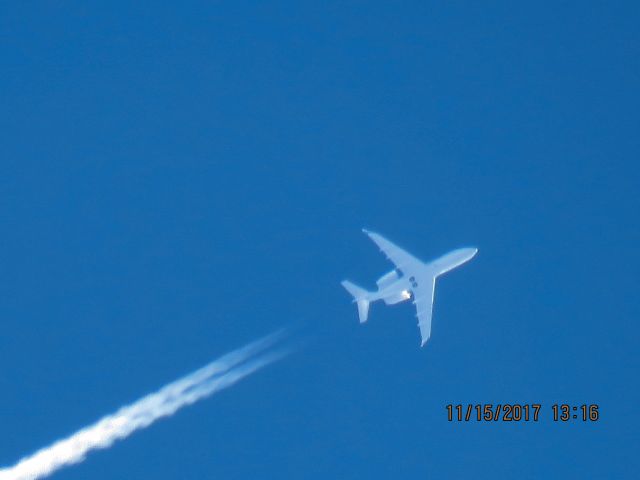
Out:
{"x": 411, "y": 278}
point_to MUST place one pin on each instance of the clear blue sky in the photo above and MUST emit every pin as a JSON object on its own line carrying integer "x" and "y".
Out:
{"x": 178, "y": 180}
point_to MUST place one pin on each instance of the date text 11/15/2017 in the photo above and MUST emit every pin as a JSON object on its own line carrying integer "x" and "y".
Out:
{"x": 516, "y": 412}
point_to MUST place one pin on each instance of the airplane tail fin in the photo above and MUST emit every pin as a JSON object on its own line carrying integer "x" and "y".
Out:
{"x": 361, "y": 297}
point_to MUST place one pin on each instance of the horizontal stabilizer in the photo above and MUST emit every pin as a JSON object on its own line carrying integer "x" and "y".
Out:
{"x": 361, "y": 297}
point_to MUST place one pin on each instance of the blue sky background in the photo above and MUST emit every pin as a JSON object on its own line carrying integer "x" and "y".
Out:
{"x": 177, "y": 181}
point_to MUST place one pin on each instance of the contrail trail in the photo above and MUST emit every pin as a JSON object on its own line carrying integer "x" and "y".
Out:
{"x": 212, "y": 378}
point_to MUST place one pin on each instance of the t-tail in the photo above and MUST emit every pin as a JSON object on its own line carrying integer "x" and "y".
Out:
{"x": 361, "y": 297}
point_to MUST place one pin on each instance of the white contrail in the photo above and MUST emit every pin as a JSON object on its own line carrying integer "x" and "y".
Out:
{"x": 215, "y": 376}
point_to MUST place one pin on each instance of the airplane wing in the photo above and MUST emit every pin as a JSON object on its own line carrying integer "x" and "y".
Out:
{"x": 422, "y": 280}
{"x": 423, "y": 300}
{"x": 405, "y": 262}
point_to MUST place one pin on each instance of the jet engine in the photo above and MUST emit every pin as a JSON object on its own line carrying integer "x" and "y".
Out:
{"x": 387, "y": 279}
{"x": 397, "y": 297}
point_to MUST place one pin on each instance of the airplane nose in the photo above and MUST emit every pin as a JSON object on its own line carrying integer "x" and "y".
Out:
{"x": 469, "y": 253}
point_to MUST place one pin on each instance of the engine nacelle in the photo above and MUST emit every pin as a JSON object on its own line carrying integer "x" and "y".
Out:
{"x": 397, "y": 297}
{"x": 387, "y": 279}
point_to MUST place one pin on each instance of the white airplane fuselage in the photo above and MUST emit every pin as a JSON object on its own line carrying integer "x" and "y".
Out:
{"x": 393, "y": 288}
{"x": 411, "y": 279}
